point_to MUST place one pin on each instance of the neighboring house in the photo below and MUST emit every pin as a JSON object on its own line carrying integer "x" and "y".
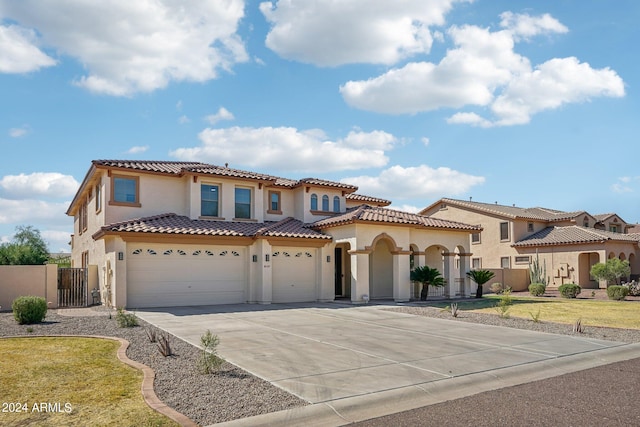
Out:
{"x": 188, "y": 233}
{"x": 568, "y": 243}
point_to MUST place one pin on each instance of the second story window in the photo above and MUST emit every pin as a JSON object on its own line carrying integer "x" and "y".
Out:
{"x": 336, "y": 204}
{"x": 325, "y": 203}
{"x": 209, "y": 200}
{"x": 98, "y": 197}
{"x": 504, "y": 231}
{"x": 274, "y": 202}
{"x": 530, "y": 227}
{"x": 243, "y": 203}
{"x": 475, "y": 237}
{"x": 124, "y": 190}
{"x": 314, "y": 202}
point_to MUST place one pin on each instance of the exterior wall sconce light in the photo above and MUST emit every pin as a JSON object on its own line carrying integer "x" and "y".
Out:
{"x": 120, "y": 256}
{"x": 266, "y": 257}
{"x": 328, "y": 258}
{"x": 254, "y": 258}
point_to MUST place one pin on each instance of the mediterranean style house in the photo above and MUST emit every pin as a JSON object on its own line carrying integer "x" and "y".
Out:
{"x": 567, "y": 243}
{"x": 165, "y": 233}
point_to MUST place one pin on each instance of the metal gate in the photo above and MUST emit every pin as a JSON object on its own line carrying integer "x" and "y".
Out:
{"x": 72, "y": 287}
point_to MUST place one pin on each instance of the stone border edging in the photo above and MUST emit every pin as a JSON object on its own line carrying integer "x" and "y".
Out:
{"x": 148, "y": 393}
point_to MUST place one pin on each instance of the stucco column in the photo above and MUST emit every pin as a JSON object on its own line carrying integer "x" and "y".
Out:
{"x": 359, "y": 275}
{"x": 462, "y": 272}
{"x": 401, "y": 276}
{"x": 448, "y": 267}
{"x": 326, "y": 272}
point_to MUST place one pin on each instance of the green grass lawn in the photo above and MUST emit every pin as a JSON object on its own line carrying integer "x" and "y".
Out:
{"x": 80, "y": 381}
{"x": 612, "y": 314}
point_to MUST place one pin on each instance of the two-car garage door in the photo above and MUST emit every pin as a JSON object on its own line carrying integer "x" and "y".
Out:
{"x": 182, "y": 275}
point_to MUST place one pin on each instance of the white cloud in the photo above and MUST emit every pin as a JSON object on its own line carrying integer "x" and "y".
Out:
{"x": 222, "y": 114}
{"x": 179, "y": 105}
{"x": 483, "y": 70}
{"x": 138, "y": 149}
{"x": 425, "y": 141}
{"x": 19, "y": 52}
{"x": 331, "y": 33}
{"x": 422, "y": 181}
{"x": 183, "y": 119}
{"x": 137, "y": 46}
{"x": 288, "y": 149}
{"x": 57, "y": 241}
{"x": 526, "y": 26}
{"x": 47, "y": 184}
{"x": 407, "y": 208}
{"x": 31, "y": 211}
{"x": 18, "y": 132}
{"x": 625, "y": 184}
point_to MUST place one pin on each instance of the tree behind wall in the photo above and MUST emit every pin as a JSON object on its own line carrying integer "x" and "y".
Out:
{"x": 611, "y": 271}
{"x": 27, "y": 248}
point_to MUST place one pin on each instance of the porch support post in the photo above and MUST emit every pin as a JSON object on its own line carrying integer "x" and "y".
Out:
{"x": 401, "y": 281}
{"x": 463, "y": 279}
{"x": 448, "y": 267}
{"x": 359, "y": 275}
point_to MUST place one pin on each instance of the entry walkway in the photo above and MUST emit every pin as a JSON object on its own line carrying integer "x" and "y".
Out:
{"x": 354, "y": 363}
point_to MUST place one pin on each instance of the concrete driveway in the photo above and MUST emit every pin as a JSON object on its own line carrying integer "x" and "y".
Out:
{"x": 358, "y": 362}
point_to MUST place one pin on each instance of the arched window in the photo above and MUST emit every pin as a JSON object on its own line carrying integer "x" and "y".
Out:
{"x": 336, "y": 204}
{"x": 314, "y": 202}
{"x": 325, "y": 203}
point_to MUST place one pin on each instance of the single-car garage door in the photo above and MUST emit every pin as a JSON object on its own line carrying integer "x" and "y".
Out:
{"x": 294, "y": 274}
{"x": 183, "y": 275}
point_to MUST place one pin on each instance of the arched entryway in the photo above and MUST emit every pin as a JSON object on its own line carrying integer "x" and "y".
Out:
{"x": 381, "y": 269}
{"x": 585, "y": 262}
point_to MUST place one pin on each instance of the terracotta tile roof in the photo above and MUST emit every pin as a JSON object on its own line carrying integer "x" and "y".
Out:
{"x": 367, "y": 199}
{"x": 325, "y": 183}
{"x": 375, "y": 214}
{"x": 226, "y": 171}
{"x": 177, "y": 224}
{"x": 573, "y": 234}
{"x": 602, "y": 217}
{"x": 175, "y": 168}
{"x": 537, "y": 213}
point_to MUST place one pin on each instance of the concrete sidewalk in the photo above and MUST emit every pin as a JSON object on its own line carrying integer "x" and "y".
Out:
{"x": 355, "y": 363}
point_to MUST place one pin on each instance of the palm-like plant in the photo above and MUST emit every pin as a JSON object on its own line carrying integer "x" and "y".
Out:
{"x": 428, "y": 277}
{"x": 480, "y": 277}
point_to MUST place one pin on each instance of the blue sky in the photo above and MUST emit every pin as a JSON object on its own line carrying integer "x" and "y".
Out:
{"x": 532, "y": 103}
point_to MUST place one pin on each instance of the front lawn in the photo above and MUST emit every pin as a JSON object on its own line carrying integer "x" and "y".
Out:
{"x": 53, "y": 381}
{"x": 611, "y": 314}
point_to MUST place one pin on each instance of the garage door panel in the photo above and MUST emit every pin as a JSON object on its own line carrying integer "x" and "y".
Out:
{"x": 294, "y": 275}
{"x": 180, "y": 275}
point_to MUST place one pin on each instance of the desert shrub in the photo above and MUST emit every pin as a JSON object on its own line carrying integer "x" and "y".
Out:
{"x": 29, "y": 309}
{"x": 209, "y": 361}
{"x": 126, "y": 320}
{"x": 617, "y": 293}
{"x": 634, "y": 288}
{"x": 504, "y": 305}
{"x": 537, "y": 289}
{"x": 569, "y": 290}
{"x": 497, "y": 288}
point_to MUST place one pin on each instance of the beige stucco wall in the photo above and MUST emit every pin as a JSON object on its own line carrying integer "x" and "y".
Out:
{"x": 23, "y": 280}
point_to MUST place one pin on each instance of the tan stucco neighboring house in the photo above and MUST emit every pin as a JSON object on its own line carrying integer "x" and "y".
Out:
{"x": 567, "y": 243}
{"x": 188, "y": 233}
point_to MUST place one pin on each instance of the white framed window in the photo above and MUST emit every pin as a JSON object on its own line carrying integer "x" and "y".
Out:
{"x": 522, "y": 259}
{"x": 475, "y": 237}
{"x": 476, "y": 263}
{"x": 505, "y": 262}
{"x": 243, "y": 203}
{"x": 209, "y": 200}
{"x": 275, "y": 203}
{"x": 336, "y": 204}
{"x": 98, "y": 197}
{"x": 504, "y": 231}
{"x": 325, "y": 203}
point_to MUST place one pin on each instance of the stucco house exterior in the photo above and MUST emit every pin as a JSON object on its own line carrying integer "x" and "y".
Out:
{"x": 168, "y": 233}
{"x": 568, "y": 243}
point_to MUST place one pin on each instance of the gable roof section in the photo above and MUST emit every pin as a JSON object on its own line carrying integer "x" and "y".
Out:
{"x": 367, "y": 199}
{"x": 573, "y": 235}
{"x": 376, "y": 214}
{"x": 511, "y": 212}
{"x": 172, "y": 224}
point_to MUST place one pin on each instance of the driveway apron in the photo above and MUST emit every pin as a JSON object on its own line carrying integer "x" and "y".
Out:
{"x": 328, "y": 352}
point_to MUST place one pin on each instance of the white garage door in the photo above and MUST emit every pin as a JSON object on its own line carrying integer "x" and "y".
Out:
{"x": 183, "y": 275}
{"x": 294, "y": 274}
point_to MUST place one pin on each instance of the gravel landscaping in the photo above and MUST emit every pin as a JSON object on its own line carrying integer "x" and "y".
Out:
{"x": 233, "y": 393}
